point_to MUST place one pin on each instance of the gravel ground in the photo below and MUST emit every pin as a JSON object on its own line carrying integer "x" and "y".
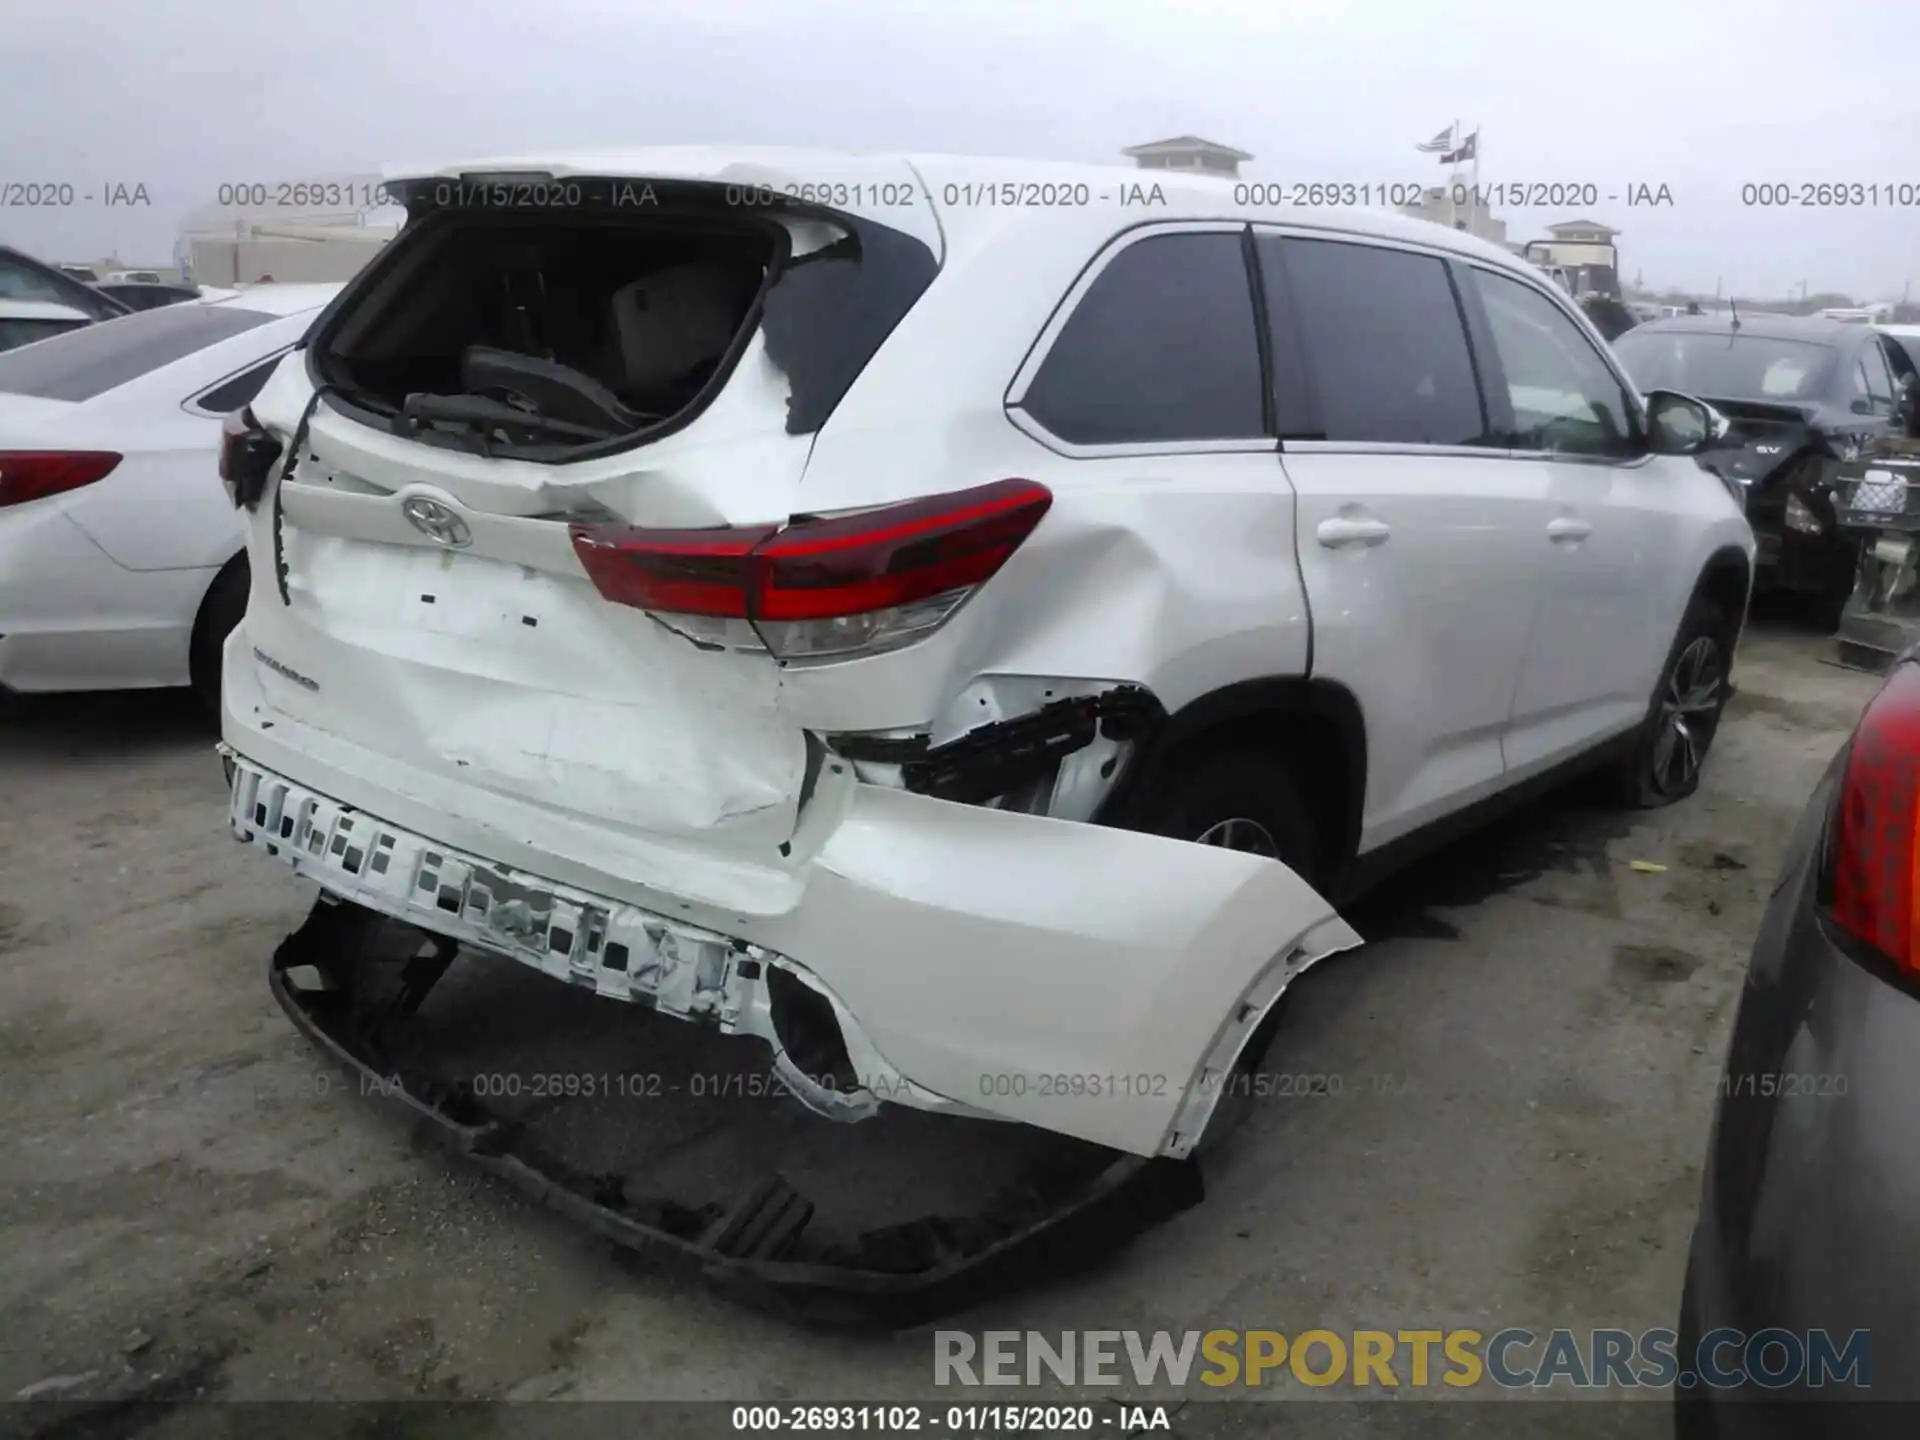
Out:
{"x": 190, "y": 1203}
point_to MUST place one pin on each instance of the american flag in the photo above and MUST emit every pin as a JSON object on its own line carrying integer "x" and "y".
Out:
{"x": 1442, "y": 141}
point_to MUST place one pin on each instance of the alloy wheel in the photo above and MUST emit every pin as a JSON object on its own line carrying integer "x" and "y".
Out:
{"x": 1240, "y": 833}
{"x": 1688, "y": 711}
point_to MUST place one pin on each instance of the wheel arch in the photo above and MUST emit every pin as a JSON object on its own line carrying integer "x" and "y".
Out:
{"x": 1293, "y": 716}
{"x": 1727, "y": 580}
{"x": 196, "y": 644}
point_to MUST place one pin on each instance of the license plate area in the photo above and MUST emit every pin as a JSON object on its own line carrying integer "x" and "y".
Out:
{"x": 1880, "y": 492}
{"x": 618, "y": 950}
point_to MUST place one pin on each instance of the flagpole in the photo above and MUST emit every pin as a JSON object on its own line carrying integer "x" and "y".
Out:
{"x": 1453, "y": 180}
{"x": 1473, "y": 199}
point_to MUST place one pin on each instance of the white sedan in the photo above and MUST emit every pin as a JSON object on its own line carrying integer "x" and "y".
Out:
{"x": 122, "y": 562}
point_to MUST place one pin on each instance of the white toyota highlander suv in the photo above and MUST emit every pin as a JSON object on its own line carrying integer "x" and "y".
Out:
{"x": 829, "y": 596}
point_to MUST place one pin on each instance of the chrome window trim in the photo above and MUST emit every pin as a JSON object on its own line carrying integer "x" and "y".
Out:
{"x": 1395, "y": 447}
{"x": 1468, "y": 452}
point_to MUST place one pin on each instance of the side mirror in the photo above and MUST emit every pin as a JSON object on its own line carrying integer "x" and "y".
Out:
{"x": 1681, "y": 425}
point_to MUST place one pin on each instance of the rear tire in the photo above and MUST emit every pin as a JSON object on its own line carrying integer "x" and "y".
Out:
{"x": 222, "y": 609}
{"x": 1683, "y": 716}
{"x": 1239, "y": 799}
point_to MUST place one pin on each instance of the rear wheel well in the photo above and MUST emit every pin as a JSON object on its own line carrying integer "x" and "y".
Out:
{"x": 203, "y": 655}
{"x": 1314, "y": 727}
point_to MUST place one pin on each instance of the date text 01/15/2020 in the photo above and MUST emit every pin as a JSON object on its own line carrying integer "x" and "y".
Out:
{"x": 950, "y": 1419}
{"x": 1259, "y": 1085}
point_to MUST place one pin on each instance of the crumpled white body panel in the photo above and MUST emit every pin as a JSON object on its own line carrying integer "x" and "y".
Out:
{"x": 1090, "y": 980}
{"x": 1065, "y": 975}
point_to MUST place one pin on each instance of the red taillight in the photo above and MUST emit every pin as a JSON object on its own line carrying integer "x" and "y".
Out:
{"x": 816, "y": 588}
{"x": 247, "y": 455}
{"x": 1874, "y": 849}
{"x": 680, "y": 572}
{"x": 821, "y": 569}
{"x": 35, "y": 474}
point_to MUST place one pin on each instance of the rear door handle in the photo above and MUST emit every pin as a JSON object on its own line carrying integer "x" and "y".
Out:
{"x": 1566, "y": 530}
{"x": 1338, "y": 532}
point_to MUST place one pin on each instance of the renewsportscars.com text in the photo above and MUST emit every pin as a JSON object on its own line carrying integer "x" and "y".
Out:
{"x": 1511, "y": 1358}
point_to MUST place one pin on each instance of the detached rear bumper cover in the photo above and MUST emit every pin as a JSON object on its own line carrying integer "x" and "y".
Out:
{"x": 1058, "y": 1217}
{"x": 1094, "y": 982}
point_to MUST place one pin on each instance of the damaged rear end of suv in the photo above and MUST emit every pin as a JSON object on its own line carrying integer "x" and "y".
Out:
{"x": 647, "y": 589}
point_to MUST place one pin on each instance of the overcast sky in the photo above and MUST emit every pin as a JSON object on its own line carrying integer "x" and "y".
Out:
{"x": 1702, "y": 96}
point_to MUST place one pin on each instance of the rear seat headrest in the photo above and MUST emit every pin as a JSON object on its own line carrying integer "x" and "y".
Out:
{"x": 667, "y": 323}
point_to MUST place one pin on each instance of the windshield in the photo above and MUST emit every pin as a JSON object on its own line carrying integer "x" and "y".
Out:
{"x": 1731, "y": 367}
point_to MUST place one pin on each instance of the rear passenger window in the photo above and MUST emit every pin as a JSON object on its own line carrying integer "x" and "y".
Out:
{"x": 1383, "y": 341}
{"x": 1161, "y": 347}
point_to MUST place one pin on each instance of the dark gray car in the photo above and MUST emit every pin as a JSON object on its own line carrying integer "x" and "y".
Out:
{"x": 1809, "y": 1223}
{"x": 1803, "y": 395}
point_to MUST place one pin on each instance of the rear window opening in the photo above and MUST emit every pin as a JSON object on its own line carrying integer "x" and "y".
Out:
{"x": 561, "y": 335}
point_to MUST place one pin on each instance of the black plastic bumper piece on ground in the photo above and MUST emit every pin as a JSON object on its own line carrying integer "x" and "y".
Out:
{"x": 900, "y": 1276}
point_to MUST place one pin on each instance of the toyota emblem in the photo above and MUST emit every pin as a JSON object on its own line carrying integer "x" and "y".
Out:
{"x": 437, "y": 522}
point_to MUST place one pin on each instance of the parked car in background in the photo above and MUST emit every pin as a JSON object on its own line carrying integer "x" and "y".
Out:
{"x": 131, "y": 277}
{"x": 753, "y": 587}
{"x": 83, "y": 273}
{"x": 24, "y": 278}
{"x": 121, "y": 562}
{"x": 140, "y": 296}
{"x": 24, "y": 321}
{"x": 1803, "y": 395}
{"x": 1806, "y": 1217}
{"x": 1907, "y": 337}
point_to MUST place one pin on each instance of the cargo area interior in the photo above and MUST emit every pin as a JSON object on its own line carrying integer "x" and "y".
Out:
{"x": 550, "y": 331}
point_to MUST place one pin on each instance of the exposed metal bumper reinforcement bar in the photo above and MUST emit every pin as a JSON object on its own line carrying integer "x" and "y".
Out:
{"x": 995, "y": 759}
{"x": 756, "y": 1245}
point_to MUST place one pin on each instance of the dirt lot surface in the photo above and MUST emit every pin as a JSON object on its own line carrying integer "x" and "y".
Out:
{"x": 191, "y": 1203}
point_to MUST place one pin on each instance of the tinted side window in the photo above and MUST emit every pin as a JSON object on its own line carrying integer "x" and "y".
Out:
{"x": 233, "y": 394}
{"x": 93, "y": 360}
{"x": 24, "y": 279}
{"x": 1564, "y": 396}
{"x": 1907, "y": 359}
{"x": 1161, "y": 347}
{"x": 17, "y": 282}
{"x": 1384, "y": 340}
{"x": 15, "y": 332}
